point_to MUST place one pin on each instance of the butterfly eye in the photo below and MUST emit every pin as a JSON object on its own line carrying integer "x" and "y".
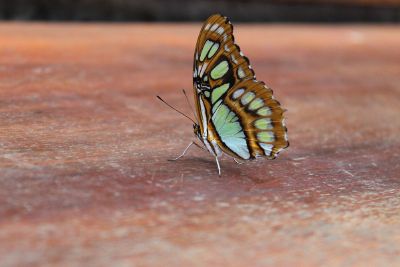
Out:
{"x": 196, "y": 130}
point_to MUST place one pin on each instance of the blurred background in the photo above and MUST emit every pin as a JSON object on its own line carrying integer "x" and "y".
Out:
{"x": 179, "y": 10}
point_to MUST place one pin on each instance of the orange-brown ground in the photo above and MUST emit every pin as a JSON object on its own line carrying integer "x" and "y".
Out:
{"x": 84, "y": 143}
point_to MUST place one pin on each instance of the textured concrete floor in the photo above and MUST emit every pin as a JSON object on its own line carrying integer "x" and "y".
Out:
{"x": 84, "y": 143}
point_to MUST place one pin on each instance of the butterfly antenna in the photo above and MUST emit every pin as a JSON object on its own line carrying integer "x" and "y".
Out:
{"x": 191, "y": 108}
{"x": 175, "y": 109}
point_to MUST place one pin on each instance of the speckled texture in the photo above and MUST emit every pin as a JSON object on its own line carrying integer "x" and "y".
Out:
{"x": 84, "y": 143}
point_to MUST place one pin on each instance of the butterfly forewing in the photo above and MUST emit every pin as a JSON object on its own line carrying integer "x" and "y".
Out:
{"x": 236, "y": 112}
{"x": 215, "y": 46}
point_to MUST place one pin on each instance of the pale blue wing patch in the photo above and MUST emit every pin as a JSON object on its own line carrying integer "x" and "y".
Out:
{"x": 216, "y": 106}
{"x": 266, "y": 136}
{"x": 220, "y": 70}
{"x": 240, "y": 73}
{"x": 256, "y": 104}
{"x": 237, "y": 93}
{"x": 247, "y": 98}
{"x": 213, "y": 49}
{"x": 218, "y": 92}
{"x": 264, "y": 111}
{"x": 263, "y": 124}
{"x": 230, "y": 131}
{"x": 207, "y": 46}
{"x": 267, "y": 148}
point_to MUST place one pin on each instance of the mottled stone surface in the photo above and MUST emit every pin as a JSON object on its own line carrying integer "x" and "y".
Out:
{"x": 84, "y": 143}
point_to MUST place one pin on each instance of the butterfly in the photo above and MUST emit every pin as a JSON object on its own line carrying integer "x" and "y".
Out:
{"x": 236, "y": 114}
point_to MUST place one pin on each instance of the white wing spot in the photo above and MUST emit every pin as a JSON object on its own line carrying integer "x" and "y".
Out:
{"x": 203, "y": 69}
{"x": 214, "y": 27}
{"x": 234, "y": 59}
{"x": 241, "y": 73}
{"x": 226, "y": 48}
{"x": 220, "y": 30}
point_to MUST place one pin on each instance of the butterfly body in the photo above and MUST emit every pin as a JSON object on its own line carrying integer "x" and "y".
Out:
{"x": 237, "y": 114}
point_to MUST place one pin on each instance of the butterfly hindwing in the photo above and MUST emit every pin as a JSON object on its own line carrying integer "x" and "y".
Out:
{"x": 237, "y": 112}
{"x": 261, "y": 117}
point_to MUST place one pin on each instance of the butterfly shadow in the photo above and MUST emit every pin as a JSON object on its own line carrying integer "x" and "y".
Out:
{"x": 244, "y": 172}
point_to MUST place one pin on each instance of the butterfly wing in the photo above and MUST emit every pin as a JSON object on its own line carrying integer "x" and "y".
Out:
{"x": 236, "y": 111}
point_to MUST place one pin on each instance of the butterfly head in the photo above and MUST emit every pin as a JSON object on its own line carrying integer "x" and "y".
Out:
{"x": 196, "y": 130}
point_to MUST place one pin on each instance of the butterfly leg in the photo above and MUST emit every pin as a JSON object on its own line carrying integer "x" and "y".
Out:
{"x": 238, "y": 162}
{"x": 219, "y": 168}
{"x": 184, "y": 152}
